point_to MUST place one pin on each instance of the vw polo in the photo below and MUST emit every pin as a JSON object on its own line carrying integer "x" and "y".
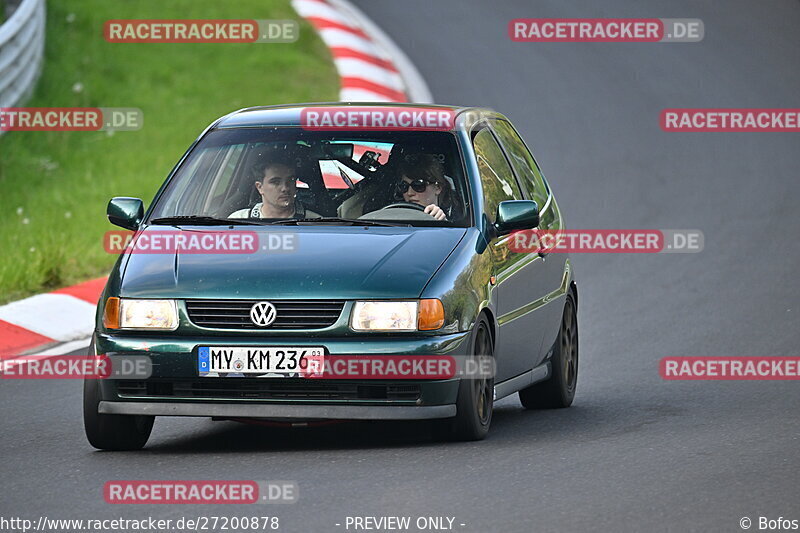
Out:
{"x": 385, "y": 241}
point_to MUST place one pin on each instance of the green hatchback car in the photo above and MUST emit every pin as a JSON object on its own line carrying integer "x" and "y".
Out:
{"x": 274, "y": 246}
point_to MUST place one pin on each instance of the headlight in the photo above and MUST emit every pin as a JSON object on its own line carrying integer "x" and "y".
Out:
{"x": 124, "y": 313}
{"x": 397, "y": 316}
{"x": 384, "y": 316}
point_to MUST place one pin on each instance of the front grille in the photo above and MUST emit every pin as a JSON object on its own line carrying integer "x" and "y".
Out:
{"x": 291, "y": 314}
{"x": 267, "y": 389}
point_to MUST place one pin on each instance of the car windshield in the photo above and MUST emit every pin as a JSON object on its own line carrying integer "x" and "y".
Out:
{"x": 288, "y": 174}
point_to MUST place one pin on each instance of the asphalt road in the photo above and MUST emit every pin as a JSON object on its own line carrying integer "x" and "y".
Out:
{"x": 634, "y": 452}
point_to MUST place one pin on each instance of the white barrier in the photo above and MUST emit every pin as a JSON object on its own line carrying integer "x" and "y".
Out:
{"x": 21, "y": 52}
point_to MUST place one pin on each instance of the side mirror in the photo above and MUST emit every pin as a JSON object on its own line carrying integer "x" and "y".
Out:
{"x": 125, "y": 212}
{"x": 515, "y": 215}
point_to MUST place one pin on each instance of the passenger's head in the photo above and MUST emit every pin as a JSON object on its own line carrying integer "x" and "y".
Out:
{"x": 276, "y": 182}
{"x": 422, "y": 181}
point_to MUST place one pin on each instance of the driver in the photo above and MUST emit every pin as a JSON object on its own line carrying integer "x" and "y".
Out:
{"x": 277, "y": 187}
{"x": 422, "y": 182}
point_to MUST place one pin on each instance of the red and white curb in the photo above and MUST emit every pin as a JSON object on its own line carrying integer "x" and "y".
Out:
{"x": 57, "y": 322}
{"x": 371, "y": 68}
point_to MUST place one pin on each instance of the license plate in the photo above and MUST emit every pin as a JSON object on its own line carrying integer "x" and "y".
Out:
{"x": 265, "y": 361}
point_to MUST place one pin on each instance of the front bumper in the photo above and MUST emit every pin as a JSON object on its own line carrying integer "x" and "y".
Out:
{"x": 175, "y": 388}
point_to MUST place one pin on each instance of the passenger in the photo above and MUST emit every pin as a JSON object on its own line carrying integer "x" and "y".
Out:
{"x": 278, "y": 190}
{"x": 423, "y": 182}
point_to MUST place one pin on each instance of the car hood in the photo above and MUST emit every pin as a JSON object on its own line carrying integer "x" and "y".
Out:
{"x": 328, "y": 262}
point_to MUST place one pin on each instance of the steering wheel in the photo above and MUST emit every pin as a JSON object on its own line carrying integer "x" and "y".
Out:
{"x": 404, "y": 205}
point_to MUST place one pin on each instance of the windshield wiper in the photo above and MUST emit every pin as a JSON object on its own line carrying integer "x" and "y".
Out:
{"x": 351, "y": 221}
{"x": 204, "y": 221}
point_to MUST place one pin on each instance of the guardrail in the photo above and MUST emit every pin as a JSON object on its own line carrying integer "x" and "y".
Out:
{"x": 21, "y": 52}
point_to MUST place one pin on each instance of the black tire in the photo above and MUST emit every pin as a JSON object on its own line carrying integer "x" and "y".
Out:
{"x": 475, "y": 401}
{"x": 558, "y": 390}
{"x": 112, "y": 432}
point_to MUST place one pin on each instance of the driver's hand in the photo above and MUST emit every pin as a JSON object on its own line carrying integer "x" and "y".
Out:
{"x": 435, "y": 211}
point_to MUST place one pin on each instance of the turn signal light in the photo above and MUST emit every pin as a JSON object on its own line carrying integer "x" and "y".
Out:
{"x": 431, "y": 314}
{"x": 111, "y": 313}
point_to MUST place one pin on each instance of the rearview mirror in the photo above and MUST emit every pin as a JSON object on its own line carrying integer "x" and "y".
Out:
{"x": 515, "y": 215}
{"x": 125, "y": 212}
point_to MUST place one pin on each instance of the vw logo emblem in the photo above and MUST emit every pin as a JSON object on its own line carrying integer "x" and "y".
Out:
{"x": 263, "y": 314}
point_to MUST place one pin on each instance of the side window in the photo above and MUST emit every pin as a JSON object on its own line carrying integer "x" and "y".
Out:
{"x": 223, "y": 175}
{"x": 191, "y": 191}
{"x": 523, "y": 162}
{"x": 496, "y": 176}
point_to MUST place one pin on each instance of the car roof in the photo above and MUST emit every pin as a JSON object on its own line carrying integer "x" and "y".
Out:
{"x": 289, "y": 115}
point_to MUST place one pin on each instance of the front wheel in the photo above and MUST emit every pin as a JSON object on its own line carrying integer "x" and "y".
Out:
{"x": 112, "y": 432}
{"x": 475, "y": 396}
{"x": 559, "y": 389}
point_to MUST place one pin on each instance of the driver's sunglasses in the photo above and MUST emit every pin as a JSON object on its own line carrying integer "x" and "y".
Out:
{"x": 418, "y": 185}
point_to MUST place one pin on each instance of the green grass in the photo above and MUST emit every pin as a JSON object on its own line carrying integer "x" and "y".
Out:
{"x": 62, "y": 181}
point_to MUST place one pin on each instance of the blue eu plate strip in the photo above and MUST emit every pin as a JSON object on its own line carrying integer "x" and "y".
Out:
{"x": 202, "y": 359}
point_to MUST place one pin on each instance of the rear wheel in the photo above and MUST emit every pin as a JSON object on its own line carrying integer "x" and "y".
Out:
{"x": 559, "y": 389}
{"x": 475, "y": 396}
{"x": 112, "y": 432}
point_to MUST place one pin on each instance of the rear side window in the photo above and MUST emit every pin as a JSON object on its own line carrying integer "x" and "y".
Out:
{"x": 523, "y": 162}
{"x": 497, "y": 178}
